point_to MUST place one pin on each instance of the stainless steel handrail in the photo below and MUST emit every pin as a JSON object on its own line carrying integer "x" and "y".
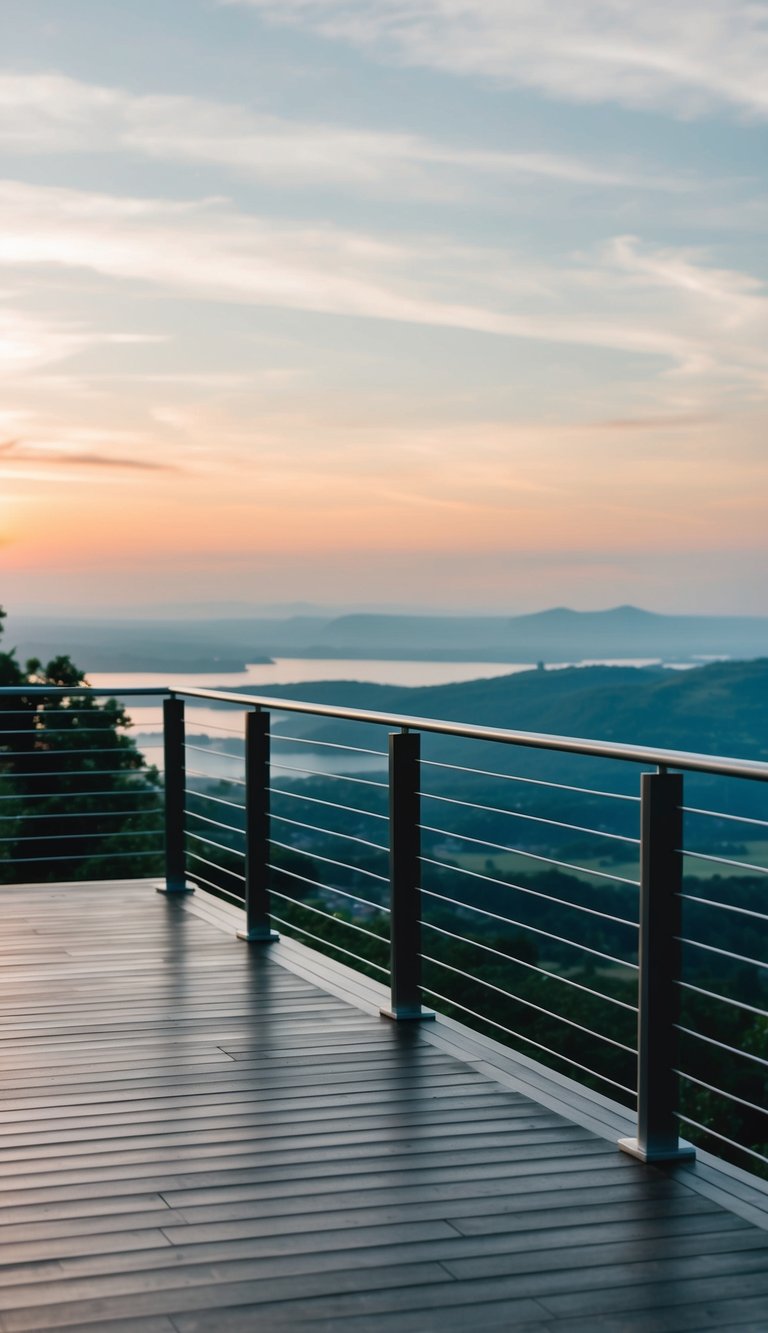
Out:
{"x": 685, "y": 760}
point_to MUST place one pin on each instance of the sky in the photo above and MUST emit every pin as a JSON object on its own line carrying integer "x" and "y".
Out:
{"x": 443, "y": 304}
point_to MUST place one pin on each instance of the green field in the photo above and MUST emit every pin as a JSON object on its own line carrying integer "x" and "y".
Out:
{"x": 505, "y": 864}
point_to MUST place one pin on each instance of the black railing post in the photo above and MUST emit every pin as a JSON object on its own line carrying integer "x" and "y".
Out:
{"x": 257, "y": 922}
{"x": 661, "y": 879}
{"x": 175, "y": 782}
{"x": 405, "y": 878}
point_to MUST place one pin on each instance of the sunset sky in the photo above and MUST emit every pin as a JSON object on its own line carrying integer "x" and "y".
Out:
{"x": 432, "y": 303}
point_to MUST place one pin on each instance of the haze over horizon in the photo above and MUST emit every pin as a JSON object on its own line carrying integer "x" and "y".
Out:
{"x": 188, "y": 612}
{"x": 458, "y": 306}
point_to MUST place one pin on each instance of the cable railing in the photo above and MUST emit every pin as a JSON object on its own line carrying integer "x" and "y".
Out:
{"x": 76, "y": 795}
{"x": 599, "y": 907}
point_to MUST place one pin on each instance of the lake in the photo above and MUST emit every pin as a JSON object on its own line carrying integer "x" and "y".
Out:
{"x": 301, "y": 670}
{"x": 217, "y": 724}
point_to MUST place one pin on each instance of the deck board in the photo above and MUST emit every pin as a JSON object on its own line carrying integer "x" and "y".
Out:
{"x": 194, "y": 1139}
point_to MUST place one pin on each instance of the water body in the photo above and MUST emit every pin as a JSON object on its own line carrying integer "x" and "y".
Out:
{"x": 290, "y": 671}
{"x": 219, "y": 725}
{"x": 301, "y": 670}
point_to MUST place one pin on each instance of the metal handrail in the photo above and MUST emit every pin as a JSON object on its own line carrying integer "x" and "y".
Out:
{"x": 685, "y": 760}
{"x": 639, "y": 754}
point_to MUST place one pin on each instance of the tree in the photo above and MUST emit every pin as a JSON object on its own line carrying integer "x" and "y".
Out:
{"x": 77, "y": 800}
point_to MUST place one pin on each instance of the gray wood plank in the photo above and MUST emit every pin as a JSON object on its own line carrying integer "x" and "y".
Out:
{"x": 193, "y": 1138}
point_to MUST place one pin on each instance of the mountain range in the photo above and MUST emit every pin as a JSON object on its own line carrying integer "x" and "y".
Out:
{"x": 227, "y": 644}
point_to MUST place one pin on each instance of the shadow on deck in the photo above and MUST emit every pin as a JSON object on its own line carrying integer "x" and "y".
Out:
{"x": 196, "y": 1137}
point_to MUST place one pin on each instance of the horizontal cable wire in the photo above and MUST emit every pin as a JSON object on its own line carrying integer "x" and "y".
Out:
{"x": 61, "y": 752}
{"x": 334, "y": 805}
{"x": 42, "y": 733}
{"x": 336, "y": 777}
{"x": 724, "y": 999}
{"x": 718, "y": 814}
{"x": 723, "y": 953}
{"x": 315, "y": 856}
{"x": 329, "y": 916}
{"x": 541, "y": 971}
{"x": 518, "y": 999}
{"x": 720, "y": 1092}
{"x": 226, "y": 894}
{"x": 331, "y": 833}
{"x": 193, "y": 814}
{"x": 724, "y": 907}
{"x": 206, "y": 796}
{"x": 209, "y": 842}
{"x": 520, "y": 925}
{"x": 533, "y": 893}
{"x": 723, "y": 1046}
{"x": 686, "y": 1120}
{"x": 354, "y": 898}
{"x": 723, "y": 861}
{"x": 532, "y": 782}
{"x": 519, "y": 1037}
{"x": 84, "y": 772}
{"x": 303, "y": 879}
{"x": 290, "y": 925}
{"x": 211, "y": 749}
{"x": 531, "y": 856}
{"x": 215, "y": 777}
{"x": 215, "y": 866}
{"x": 213, "y": 726}
{"x": 328, "y": 745}
{"x": 90, "y": 856}
{"x": 84, "y": 814}
{"x": 536, "y": 819}
{"x": 79, "y": 795}
{"x": 74, "y": 837}
{"x": 328, "y": 888}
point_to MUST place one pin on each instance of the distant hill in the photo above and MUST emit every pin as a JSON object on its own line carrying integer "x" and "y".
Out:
{"x": 557, "y": 635}
{"x": 721, "y": 708}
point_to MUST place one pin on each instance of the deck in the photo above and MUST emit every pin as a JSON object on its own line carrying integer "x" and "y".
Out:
{"x": 196, "y": 1137}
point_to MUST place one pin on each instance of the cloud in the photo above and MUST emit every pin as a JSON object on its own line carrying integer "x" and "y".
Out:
{"x": 670, "y": 304}
{"x": 51, "y": 113}
{"x": 29, "y": 340}
{"x": 26, "y": 453}
{"x": 649, "y": 424}
{"x": 687, "y": 58}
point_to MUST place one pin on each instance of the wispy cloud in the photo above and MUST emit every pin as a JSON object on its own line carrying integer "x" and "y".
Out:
{"x": 30, "y": 453}
{"x": 686, "y": 58}
{"x": 671, "y": 304}
{"x": 29, "y": 340}
{"x": 649, "y": 425}
{"x": 52, "y": 113}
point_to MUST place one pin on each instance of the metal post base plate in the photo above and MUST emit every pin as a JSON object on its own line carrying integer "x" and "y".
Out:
{"x": 258, "y": 936}
{"x": 407, "y": 1015}
{"x": 171, "y": 890}
{"x": 684, "y": 1152}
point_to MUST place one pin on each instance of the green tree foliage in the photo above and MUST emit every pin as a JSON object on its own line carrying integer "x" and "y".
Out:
{"x": 76, "y": 798}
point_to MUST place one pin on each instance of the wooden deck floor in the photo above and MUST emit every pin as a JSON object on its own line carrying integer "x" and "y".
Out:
{"x": 195, "y": 1139}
